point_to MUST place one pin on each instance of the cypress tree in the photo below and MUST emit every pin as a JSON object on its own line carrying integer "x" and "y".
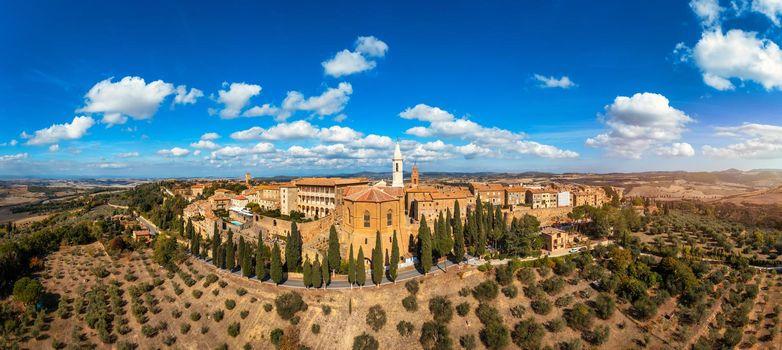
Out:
{"x": 293, "y": 248}
{"x": 361, "y": 273}
{"x": 230, "y": 253}
{"x": 197, "y": 244}
{"x": 351, "y": 267}
{"x": 215, "y": 241}
{"x": 377, "y": 260}
{"x": 276, "y": 266}
{"x": 324, "y": 272}
{"x": 458, "y": 237}
{"x": 240, "y": 260}
{"x": 457, "y": 217}
{"x": 425, "y": 241}
{"x": 307, "y": 272}
{"x": 334, "y": 258}
{"x": 393, "y": 264}
{"x": 317, "y": 278}
{"x": 260, "y": 268}
{"x": 191, "y": 235}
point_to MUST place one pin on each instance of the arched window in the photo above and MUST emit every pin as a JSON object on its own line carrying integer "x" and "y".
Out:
{"x": 389, "y": 217}
{"x": 366, "y": 218}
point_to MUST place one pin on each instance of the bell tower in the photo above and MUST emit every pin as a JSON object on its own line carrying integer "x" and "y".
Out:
{"x": 414, "y": 176}
{"x": 397, "y": 168}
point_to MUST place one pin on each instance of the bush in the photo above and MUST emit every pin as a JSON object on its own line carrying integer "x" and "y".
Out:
{"x": 184, "y": 328}
{"x": 441, "y": 309}
{"x": 276, "y": 336}
{"x": 197, "y": 293}
{"x": 495, "y": 336}
{"x": 518, "y": 311}
{"x": 510, "y": 291}
{"x": 553, "y": 285}
{"x": 234, "y": 329}
{"x": 598, "y": 336}
{"x": 365, "y": 342}
{"x": 579, "y": 317}
{"x": 27, "y": 290}
{"x": 643, "y": 309}
{"x": 326, "y": 309}
{"x": 541, "y": 306}
{"x": 504, "y": 275}
{"x": 564, "y": 267}
{"x": 267, "y": 307}
{"x": 467, "y": 342}
{"x": 315, "y": 328}
{"x": 412, "y": 286}
{"x": 526, "y": 276}
{"x": 404, "y": 328}
{"x": 410, "y": 303}
{"x": 486, "y": 291}
{"x": 434, "y": 335}
{"x": 241, "y": 291}
{"x": 148, "y": 331}
{"x": 195, "y": 316}
{"x": 218, "y": 315}
{"x": 244, "y": 314}
{"x": 528, "y": 334}
{"x": 463, "y": 309}
{"x": 555, "y": 325}
{"x": 289, "y": 304}
{"x": 604, "y": 306}
{"x": 563, "y": 301}
{"x": 376, "y": 317}
{"x": 230, "y": 304}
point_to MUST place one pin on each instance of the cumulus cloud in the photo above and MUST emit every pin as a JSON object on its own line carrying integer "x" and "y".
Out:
{"x": 338, "y": 133}
{"x": 348, "y": 62}
{"x": 128, "y": 155}
{"x": 445, "y": 124}
{"x": 472, "y": 150}
{"x": 771, "y": 8}
{"x": 754, "y": 141}
{"x": 676, "y": 149}
{"x": 204, "y": 144}
{"x": 552, "y": 82}
{"x": 111, "y": 165}
{"x": 260, "y": 111}
{"x": 129, "y": 97}
{"x": 13, "y": 157}
{"x": 330, "y": 102}
{"x": 738, "y": 55}
{"x": 60, "y": 132}
{"x": 185, "y": 97}
{"x": 236, "y": 151}
{"x": 637, "y": 123}
{"x": 54, "y": 148}
{"x": 236, "y": 98}
{"x": 174, "y": 152}
{"x": 210, "y": 136}
{"x": 708, "y": 11}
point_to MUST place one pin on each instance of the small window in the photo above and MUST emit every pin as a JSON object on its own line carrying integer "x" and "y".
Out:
{"x": 366, "y": 218}
{"x": 389, "y": 217}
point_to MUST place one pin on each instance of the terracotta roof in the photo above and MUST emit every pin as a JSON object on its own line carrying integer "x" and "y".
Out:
{"x": 422, "y": 197}
{"x": 487, "y": 187}
{"x": 371, "y": 194}
{"x": 141, "y": 233}
{"x": 220, "y": 198}
{"x": 330, "y": 181}
{"x": 450, "y": 195}
{"x": 541, "y": 190}
{"x": 516, "y": 189}
{"x": 197, "y": 186}
{"x": 421, "y": 189}
{"x": 287, "y": 184}
{"x": 240, "y": 198}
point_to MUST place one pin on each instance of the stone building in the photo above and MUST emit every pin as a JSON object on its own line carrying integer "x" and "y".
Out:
{"x": 367, "y": 210}
{"x": 515, "y": 196}
{"x": 492, "y": 193}
{"x": 541, "y": 198}
{"x": 554, "y": 239}
{"x": 319, "y": 196}
{"x": 288, "y": 202}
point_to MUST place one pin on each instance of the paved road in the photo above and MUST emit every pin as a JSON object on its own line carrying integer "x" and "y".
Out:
{"x": 149, "y": 225}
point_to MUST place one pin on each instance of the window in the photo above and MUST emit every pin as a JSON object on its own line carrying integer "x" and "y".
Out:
{"x": 366, "y": 218}
{"x": 389, "y": 217}
{"x": 350, "y": 218}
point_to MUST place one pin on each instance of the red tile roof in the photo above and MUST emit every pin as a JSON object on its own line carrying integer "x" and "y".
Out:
{"x": 371, "y": 194}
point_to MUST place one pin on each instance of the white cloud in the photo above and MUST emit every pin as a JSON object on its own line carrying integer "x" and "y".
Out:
{"x": 332, "y": 101}
{"x": 754, "y": 141}
{"x": 637, "y": 123}
{"x": 13, "y": 142}
{"x": 128, "y": 155}
{"x": 676, "y": 149}
{"x": 236, "y": 151}
{"x": 129, "y": 97}
{"x": 348, "y": 62}
{"x": 54, "y": 148}
{"x": 445, "y": 124}
{"x": 260, "y": 111}
{"x": 738, "y": 55}
{"x": 338, "y": 133}
{"x": 300, "y": 129}
{"x": 175, "y": 152}
{"x": 708, "y": 11}
{"x": 236, "y": 98}
{"x": 249, "y": 134}
{"x": 374, "y": 141}
{"x": 371, "y": 46}
{"x": 60, "y": 132}
{"x": 472, "y": 150}
{"x": 111, "y": 165}
{"x": 771, "y": 8}
{"x": 552, "y": 82}
{"x": 187, "y": 97}
{"x": 210, "y": 136}
{"x": 204, "y": 144}
{"x": 13, "y": 157}
{"x": 340, "y": 118}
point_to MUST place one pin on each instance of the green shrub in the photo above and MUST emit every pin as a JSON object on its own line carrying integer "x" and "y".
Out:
{"x": 604, "y": 306}
{"x": 598, "y": 336}
{"x": 267, "y": 307}
{"x": 315, "y": 328}
{"x": 276, "y": 336}
{"x": 184, "y": 328}
{"x": 528, "y": 334}
{"x": 463, "y": 309}
{"x": 410, "y": 303}
{"x": 412, "y": 286}
{"x": 467, "y": 342}
{"x": 289, "y": 304}
{"x": 541, "y": 306}
{"x": 555, "y": 325}
{"x": 233, "y": 329}
{"x": 434, "y": 335}
{"x": 441, "y": 309}
{"x": 579, "y": 317}
{"x": 197, "y": 293}
{"x": 195, "y": 316}
{"x": 486, "y": 291}
{"x": 241, "y": 291}
{"x": 376, "y": 317}
{"x": 230, "y": 304}
{"x": 405, "y": 328}
{"x": 553, "y": 285}
{"x": 510, "y": 291}
{"x": 218, "y": 315}
{"x": 526, "y": 275}
{"x": 365, "y": 342}
{"x": 244, "y": 314}
{"x": 643, "y": 309}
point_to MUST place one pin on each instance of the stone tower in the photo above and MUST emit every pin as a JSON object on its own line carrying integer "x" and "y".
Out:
{"x": 414, "y": 176}
{"x": 247, "y": 178}
{"x": 397, "y": 168}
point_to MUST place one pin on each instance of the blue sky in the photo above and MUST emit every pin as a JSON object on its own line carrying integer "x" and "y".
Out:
{"x": 134, "y": 88}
